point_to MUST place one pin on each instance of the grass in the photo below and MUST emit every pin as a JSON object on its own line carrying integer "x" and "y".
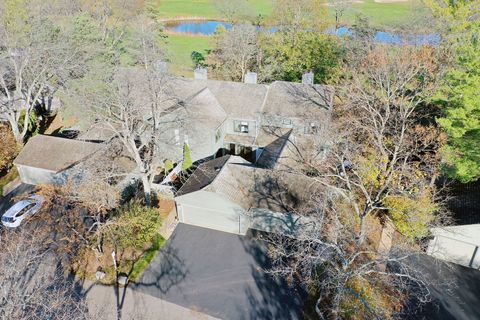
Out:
{"x": 382, "y": 16}
{"x": 133, "y": 268}
{"x": 205, "y": 8}
{"x": 143, "y": 262}
{"x": 385, "y": 15}
{"x": 11, "y": 175}
{"x": 180, "y": 47}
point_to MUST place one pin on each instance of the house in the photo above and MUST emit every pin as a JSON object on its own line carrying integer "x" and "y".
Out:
{"x": 224, "y": 117}
{"x": 460, "y": 243}
{"x": 47, "y": 159}
{"x": 230, "y": 194}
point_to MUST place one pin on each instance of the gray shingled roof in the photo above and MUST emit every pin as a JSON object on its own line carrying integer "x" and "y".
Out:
{"x": 240, "y": 100}
{"x": 296, "y": 100}
{"x": 206, "y": 173}
{"x": 54, "y": 153}
{"x": 267, "y": 189}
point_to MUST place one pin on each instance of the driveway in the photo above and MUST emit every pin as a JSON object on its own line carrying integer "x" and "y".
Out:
{"x": 455, "y": 291}
{"x": 219, "y": 274}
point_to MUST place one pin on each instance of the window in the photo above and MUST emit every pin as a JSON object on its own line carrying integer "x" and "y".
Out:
{"x": 311, "y": 128}
{"x": 25, "y": 210}
{"x": 240, "y": 126}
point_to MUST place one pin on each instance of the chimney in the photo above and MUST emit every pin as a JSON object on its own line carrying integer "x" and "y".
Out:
{"x": 251, "y": 77}
{"x": 307, "y": 78}
{"x": 160, "y": 66}
{"x": 200, "y": 74}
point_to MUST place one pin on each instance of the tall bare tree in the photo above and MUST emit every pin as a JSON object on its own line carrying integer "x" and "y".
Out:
{"x": 381, "y": 162}
{"x": 236, "y": 53}
{"x": 36, "y": 58}
{"x": 32, "y": 285}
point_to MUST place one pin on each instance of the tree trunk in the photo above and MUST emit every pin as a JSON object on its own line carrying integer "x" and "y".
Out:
{"x": 15, "y": 131}
{"x": 147, "y": 190}
{"x": 361, "y": 235}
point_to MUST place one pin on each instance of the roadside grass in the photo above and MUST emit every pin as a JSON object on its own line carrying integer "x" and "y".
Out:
{"x": 180, "y": 47}
{"x": 133, "y": 266}
{"x": 11, "y": 175}
{"x": 142, "y": 263}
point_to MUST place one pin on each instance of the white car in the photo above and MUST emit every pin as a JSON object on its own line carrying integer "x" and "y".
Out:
{"x": 21, "y": 210}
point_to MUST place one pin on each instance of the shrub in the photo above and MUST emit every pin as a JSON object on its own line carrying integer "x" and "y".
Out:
{"x": 411, "y": 215}
{"x": 134, "y": 226}
{"x": 8, "y": 148}
{"x": 187, "y": 159}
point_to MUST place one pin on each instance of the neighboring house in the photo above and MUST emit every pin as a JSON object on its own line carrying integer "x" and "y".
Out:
{"x": 47, "y": 159}
{"x": 460, "y": 243}
{"x": 229, "y": 194}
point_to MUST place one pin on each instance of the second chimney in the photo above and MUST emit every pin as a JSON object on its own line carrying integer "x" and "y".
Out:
{"x": 251, "y": 77}
{"x": 307, "y": 78}
{"x": 200, "y": 74}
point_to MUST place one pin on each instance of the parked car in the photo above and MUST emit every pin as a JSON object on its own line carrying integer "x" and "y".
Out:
{"x": 14, "y": 216}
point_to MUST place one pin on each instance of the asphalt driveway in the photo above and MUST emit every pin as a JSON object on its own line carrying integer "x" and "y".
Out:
{"x": 455, "y": 291}
{"x": 219, "y": 274}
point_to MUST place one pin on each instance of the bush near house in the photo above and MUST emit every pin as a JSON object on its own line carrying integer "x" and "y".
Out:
{"x": 132, "y": 232}
{"x": 8, "y": 148}
{"x": 187, "y": 158}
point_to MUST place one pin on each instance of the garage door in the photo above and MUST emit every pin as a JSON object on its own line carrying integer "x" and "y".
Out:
{"x": 209, "y": 210}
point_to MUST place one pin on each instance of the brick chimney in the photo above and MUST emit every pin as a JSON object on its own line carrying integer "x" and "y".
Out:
{"x": 251, "y": 77}
{"x": 307, "y": 77}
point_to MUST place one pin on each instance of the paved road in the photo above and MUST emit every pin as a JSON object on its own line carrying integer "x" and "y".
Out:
{"x": 219, "y": 274}
{"x": 104, "y": 303}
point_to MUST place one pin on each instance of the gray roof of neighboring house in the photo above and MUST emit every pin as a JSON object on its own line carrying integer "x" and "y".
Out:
{"x": 97, "y": 132}
{"x": 296, "y": 100}
{"x": 54, "y": 153}
{"x": 240, "y": 100}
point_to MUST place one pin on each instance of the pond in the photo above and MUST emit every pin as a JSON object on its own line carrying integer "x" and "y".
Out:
{"x": 207, "y": 28}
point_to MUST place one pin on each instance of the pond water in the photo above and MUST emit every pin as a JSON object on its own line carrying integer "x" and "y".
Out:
{"x": 207, "y": 28}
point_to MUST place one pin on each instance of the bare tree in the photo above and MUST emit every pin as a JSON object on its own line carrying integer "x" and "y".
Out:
{"x": 381, "y": 161}
{"x": 36, "y": 58}
{"x": 233, "y": 10}
{"x": 236, "y": 53}
{"x": 32, "y": 285}
{"x": 339, "y": 7}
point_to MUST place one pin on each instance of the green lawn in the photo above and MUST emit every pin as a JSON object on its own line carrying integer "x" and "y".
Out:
{"x": 385, "y": 15}
{"x": 180, "y": 47}
{"x": 205, "y": 8}
{"x": 382, "y": 16}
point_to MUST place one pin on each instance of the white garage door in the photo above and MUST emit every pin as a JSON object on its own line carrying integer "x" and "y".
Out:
{"x": 209, "y": 210}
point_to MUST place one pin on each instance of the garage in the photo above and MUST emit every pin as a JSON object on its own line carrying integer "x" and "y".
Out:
{"x": 210, "y": 210}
